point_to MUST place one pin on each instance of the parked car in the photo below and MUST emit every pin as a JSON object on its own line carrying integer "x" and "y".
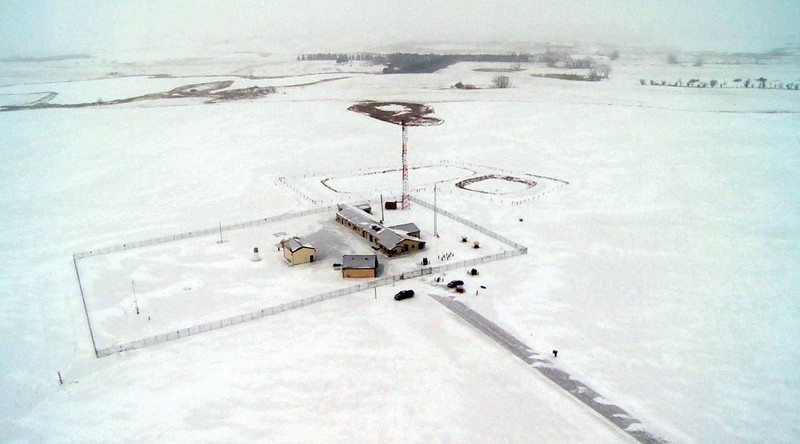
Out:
{"x": 405, "y": 294}
{"x": 455, "y": 283}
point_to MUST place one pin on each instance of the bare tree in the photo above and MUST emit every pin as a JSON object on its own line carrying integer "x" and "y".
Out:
{"x": 501, "y": 82}
{"x": 600, "y": 71}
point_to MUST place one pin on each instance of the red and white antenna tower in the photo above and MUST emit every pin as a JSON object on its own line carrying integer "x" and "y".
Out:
{"x": 405, "y": 114}
{"x": 405, "y": 202}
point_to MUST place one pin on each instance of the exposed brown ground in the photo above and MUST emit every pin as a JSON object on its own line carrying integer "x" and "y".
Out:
{"x": 213, "y": 91}
{"x": 412, "y": 114}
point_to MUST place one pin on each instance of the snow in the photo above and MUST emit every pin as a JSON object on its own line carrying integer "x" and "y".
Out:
{"x": 362, "y": 369}
{"x": 115, "y": 88}
{"x": 185, "y": 283}
{"x": 394, "y": 108}
{"x": 665, "y": 273}
{"x": 498, "y": 186}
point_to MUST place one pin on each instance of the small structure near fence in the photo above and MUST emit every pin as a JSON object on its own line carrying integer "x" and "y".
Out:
{"x": 365, "y": 207}
{"x": 360, "y": 266}
{"x": 297, "y": 252}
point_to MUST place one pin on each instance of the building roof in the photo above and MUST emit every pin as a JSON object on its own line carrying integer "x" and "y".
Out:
{"x": 358, "y": 216}
{"x": 410, "y": 227}
{"x": 295, "y": 244}
{"x": 387, "y": 237}
{"x": 364, "y": 206}
{"x": 360, "y": 261}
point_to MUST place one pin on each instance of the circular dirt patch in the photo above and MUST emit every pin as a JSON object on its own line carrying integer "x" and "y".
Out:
{"x": 399, "y": 113}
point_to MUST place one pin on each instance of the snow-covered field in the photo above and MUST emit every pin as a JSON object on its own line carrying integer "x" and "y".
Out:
{"x": 185, "y": 283}
{"x": 464, "y": 180}
{"x": 665, "y": 273}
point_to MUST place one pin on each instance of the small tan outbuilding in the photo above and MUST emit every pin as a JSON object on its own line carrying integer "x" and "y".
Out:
{"x": 297, "y": 252}
{"x": 359, "y": 266}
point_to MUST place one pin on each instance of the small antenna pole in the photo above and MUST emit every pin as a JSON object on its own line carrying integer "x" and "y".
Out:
{"x": 135, "y": 300}
{"x": 435, "y": 230}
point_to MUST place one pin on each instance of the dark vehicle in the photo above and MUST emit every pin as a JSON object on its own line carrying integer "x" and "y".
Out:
{"x": 455, "y": 283}
{"x": 405, "y": 294}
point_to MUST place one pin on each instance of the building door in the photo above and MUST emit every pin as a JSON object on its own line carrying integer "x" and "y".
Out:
{"x": 312, "y": 258}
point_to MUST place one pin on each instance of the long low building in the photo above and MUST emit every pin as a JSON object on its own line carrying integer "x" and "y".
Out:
{"x": 389, "y": 241}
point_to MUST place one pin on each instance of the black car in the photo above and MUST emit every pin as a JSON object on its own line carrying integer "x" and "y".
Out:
{"x": 405, "y": 294}
{"x": 455, "y": 283}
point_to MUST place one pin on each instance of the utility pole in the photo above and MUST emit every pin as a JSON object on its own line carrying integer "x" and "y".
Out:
{"x": 435, "y": 230}
{"x": 220, "y": 233}
{"x": 135, "y": 300}
{"x": 382, "y": 216}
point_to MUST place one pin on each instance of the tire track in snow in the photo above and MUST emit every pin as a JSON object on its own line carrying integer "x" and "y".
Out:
{"x": 617, "y": 415}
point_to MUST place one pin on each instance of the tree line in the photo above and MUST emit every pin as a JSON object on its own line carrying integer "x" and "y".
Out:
{"x": 759, "y": 83}
{"x": 401, "y": 62}
{"x": 377, "y": 59}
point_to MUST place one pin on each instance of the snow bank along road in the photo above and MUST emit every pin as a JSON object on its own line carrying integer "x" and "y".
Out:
{"x": 612, "y": 412}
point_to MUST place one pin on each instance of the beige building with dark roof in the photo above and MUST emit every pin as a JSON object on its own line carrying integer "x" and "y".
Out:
{"x": 359, "y": 266}
{"x": 389, "y": 241}
{"x": 297, "y": 252}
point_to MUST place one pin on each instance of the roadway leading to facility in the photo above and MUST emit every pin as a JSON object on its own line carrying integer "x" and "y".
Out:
{"x": 586, "y": 395}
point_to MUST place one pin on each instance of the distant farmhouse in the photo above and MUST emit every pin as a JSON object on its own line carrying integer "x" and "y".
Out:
{"x": 359, "y": 266}
{"x": 391, "y": 241}
{"x": 297, "y": 252}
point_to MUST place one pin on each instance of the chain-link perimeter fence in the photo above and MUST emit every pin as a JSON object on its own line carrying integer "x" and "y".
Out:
{"x": 216, "y": 325}
{"x": 294, "y": 184}
{"x": 221, "y": 323}
{"x": 472, "y": 225}
{"x": 202, "y": 232}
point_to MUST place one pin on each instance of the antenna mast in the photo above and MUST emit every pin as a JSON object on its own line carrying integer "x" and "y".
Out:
{"x": 406, "y": 203}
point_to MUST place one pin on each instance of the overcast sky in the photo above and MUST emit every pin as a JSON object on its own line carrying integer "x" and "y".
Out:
{"x": 92, "y": 26}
